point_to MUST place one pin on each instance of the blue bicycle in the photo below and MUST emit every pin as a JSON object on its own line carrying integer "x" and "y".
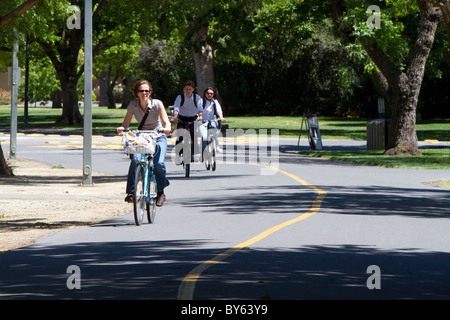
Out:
{"x": 145, "y": 189}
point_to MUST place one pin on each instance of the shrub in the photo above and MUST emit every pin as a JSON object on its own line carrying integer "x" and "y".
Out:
{"x": 5, "y": 97}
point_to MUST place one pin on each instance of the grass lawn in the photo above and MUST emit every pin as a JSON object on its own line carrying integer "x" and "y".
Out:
{"x": 335, "y": 128}
{"x": 106, "y": 121}
{"x": 430, "y": 159}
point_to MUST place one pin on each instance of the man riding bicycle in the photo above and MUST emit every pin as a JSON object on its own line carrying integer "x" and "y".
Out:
{"x": 187, "y": 108}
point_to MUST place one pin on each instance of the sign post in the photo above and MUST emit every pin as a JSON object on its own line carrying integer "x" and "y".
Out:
{"x": 312, "y": 127}
{"x": 87, "y": 136}
{"x": 14, "y": 92}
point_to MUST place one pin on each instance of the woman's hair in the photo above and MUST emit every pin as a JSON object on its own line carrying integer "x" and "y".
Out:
{"x": 209, "y": 88}
{"x": 138, "y": 84}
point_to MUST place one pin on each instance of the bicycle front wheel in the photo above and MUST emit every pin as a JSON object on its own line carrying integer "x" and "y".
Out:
{"x": 151, "y": 207}
{"x": 207, "y": 157}
{"x": 140, "y": 205}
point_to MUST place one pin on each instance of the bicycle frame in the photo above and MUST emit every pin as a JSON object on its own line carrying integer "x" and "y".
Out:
{"x": 147, "y": 164}
{"x": 186, "y": 125}
{"x": 188, "y": 145}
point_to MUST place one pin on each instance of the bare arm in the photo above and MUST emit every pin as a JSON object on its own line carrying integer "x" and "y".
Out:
{"x": 126, "y": 122}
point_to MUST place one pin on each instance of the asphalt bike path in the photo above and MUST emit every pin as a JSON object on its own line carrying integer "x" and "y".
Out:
{"x": 342, "y": 219}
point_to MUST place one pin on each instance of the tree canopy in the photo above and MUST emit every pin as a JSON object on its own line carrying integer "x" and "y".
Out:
{"x": 266, "y": 57}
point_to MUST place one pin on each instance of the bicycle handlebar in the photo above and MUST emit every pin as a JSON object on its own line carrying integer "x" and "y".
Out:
{"x": 157, "y": 131}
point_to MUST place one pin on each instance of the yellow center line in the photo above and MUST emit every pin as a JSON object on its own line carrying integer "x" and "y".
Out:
{"x": 186, "y": 289}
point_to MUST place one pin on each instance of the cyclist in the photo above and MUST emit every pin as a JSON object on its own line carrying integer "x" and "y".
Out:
{"x": 187, "y": 108}
{"x": 142, "y": 90}
{"x": 211, "y": 111}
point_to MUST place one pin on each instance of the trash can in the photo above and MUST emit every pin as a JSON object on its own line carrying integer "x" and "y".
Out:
{"x": 376, "y": 134}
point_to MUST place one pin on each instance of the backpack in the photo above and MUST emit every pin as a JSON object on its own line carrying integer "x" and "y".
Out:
{"x": 182, "y": 99}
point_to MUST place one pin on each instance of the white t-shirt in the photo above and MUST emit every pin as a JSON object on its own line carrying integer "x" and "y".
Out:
{"x": 188, "y": 109}
{"x": 208, "y": 110}
{"x": 153, "y": 122}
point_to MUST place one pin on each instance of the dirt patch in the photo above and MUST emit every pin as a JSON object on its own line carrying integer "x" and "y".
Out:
{"x": 39, "y": 200}
{"x": 442, "y": 184}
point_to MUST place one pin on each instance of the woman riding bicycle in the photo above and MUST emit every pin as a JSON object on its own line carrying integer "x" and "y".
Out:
{"x": 187, "y": 108}
{"x": 212, "y": 111}
{"x": 142, "y": 90}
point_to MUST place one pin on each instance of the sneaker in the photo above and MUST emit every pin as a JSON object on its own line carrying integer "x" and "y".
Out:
{"x": 129, "y": 198}
{"x": 160, "y": 199}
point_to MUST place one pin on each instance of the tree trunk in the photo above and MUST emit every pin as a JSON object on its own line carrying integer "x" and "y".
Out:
{"x": 5, "y": 170}
{"x": 203, "y": 58}
{"x": 110, "y": 93}
{"x": 111, "y": 86}
{"x": 405, "y": 96}
{"x": 71, "y": 112}
{"x": 401, "y": 89}
{"x": 402, "y": 137}
{"x": 103, "y": 79}
{"x": 56, "y": 99}
{"x": 67, "y": 73}
{"x": 126, "y": 95}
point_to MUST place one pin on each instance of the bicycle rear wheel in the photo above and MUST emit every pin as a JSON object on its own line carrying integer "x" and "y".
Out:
{"x": 187, "y": 169}
{"x": 151, "y": 207}
{"x": 207, "y": 158}
{"x": 213, "y": 158}
{"x": 139, "y": 203}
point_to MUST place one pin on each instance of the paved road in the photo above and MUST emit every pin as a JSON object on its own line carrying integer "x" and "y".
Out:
{"x": 342, "y": 218}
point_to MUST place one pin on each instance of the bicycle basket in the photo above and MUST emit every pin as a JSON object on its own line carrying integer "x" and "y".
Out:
{"x": 144, "y": 143}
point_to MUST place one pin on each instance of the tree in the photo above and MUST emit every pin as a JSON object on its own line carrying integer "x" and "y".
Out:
{"x": 115, "y": 62}
{"x": 63, "y": 47}
{"x": 399, "y": 64}
{"x": 51, "y": 25}
{"x": 5, "y": 20}
{"x": 205, "y": 27}
{"x": 298, "y": 63}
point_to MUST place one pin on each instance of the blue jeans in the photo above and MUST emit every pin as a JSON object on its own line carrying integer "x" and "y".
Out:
{"x": 158, "y": 161}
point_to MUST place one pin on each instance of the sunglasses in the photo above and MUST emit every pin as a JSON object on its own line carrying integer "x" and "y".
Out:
{"x": 146, "y": 91}
{"x": 210, "y": 93}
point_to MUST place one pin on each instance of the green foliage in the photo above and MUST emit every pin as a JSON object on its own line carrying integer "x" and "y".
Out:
{"x": 42, "y": 81}
{"x": 271, "y": 56}
{"x": 167, "y": 65}
{"x": 298, "y": 65}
